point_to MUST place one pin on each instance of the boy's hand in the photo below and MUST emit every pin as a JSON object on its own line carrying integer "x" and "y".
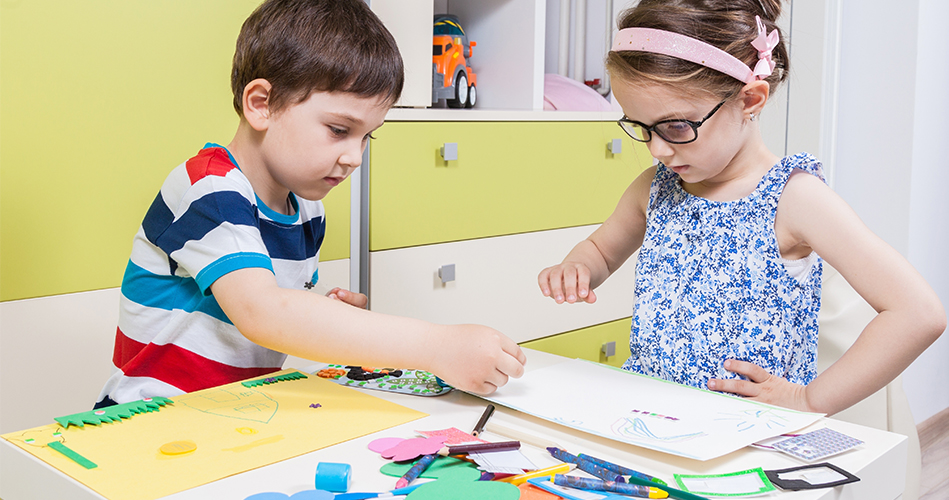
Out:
{"x": 567, "y": 282}
{"x": 352, "y": 298}
{"x": 762, "y": 386}
{"x": 476, "y": 358}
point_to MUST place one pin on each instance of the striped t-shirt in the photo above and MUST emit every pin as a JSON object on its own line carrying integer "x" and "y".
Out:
{"x": 206, "y": 221}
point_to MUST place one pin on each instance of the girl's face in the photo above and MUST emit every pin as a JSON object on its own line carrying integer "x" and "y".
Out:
{"x": 721, "y": 137}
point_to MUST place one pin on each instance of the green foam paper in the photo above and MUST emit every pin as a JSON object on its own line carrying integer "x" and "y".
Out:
{"x": 72, "y": 455}
{"x": 113, "y": 413}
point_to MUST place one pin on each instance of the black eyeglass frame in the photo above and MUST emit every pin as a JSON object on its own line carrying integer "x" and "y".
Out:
{"x": 652, "y": 129}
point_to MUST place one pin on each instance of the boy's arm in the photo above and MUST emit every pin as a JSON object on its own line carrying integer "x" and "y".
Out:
{"x": 473, "y": 358}
{"x": 594, "y": 259}
{"x": 910, "y": 316}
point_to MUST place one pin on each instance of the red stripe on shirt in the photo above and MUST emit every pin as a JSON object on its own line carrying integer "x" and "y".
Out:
{"x": 125, "y": 349}
{"x": 209, "y": 161}
{"x": 186, "y": 370}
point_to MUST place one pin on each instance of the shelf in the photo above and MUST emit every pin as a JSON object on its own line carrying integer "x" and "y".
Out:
{"x": 508, "y": 58}
{"x": 489, "y": 115}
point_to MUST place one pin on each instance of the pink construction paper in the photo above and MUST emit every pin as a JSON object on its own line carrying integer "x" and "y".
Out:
{"x": 454, "y": 435}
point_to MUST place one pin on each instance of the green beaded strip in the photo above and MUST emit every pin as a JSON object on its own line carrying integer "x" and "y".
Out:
{"x": 274, "y": 379}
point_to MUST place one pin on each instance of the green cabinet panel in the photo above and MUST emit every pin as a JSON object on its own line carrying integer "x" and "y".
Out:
{"x": 509, "y": 178}
{"x": 586, "y": 343}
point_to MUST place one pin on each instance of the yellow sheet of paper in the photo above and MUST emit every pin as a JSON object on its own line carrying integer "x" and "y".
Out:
{"x": 235, "y": 429}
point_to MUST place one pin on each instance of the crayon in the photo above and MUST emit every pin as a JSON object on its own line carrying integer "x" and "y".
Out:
{"x": 586, "y": 465}
{"x": 619, "y": 469}
{"x": 415, "y": 471}
{"x": 633, "y": 490}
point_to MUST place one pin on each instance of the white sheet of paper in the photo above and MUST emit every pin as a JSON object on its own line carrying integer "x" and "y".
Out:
{"x": 646, "y": 411}
{"x": 503, "y": 462}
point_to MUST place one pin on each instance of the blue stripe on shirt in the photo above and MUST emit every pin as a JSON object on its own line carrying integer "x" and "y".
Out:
{"x": 297, "y": 242}
{"x": 204, "y": 215}
{"x": 231, "y": 262}
{"x": 168, "y": 293}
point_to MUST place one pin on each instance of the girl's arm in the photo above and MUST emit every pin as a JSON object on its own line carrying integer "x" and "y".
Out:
{"x": 909, "y": 314}
{"x": 594, "y": 259}
{"x": 472, "y": 358}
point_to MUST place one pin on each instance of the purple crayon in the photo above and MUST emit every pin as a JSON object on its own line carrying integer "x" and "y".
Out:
{"x": 585, "y": 465}
{"x": 633, "y": 490}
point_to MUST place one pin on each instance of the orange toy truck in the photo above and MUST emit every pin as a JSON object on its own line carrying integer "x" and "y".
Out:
{"x": 452, "y": 78}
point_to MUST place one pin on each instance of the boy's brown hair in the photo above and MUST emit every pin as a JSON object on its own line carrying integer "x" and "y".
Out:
{"x": 305, "y": 46}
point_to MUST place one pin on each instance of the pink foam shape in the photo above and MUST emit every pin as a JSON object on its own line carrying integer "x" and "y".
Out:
{"x": 410, "y": 449}
{"x": 382, "y": 444}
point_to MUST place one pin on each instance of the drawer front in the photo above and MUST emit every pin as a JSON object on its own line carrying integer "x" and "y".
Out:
{"x": 589, "y": 343}
{"x": 510, "y": 177}
{"x": 495, "y": 284}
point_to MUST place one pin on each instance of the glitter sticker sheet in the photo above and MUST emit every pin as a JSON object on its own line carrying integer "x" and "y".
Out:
{"x": 207, "y": 435}
{"x": 646, "y": 411}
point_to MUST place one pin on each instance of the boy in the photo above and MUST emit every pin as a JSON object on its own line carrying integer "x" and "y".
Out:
{"x": 216, "y": 289}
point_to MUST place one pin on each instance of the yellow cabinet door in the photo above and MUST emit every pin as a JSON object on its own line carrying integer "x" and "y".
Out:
{"x": 508, "y": 178}
{"x": 588, "y": 343}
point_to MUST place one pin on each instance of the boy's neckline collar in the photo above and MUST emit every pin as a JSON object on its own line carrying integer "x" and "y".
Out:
{"x": 269, "y": 212}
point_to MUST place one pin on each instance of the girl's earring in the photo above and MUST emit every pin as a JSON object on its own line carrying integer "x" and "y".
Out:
{"x": 752, "y": 117}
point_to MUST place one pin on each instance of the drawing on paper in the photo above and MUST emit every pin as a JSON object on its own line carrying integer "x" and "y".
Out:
{"x": 750, "y": 418}
{"x": 243, "y": 405}
{"x": 636, "y": 428}
{"x": 645, "y": 411}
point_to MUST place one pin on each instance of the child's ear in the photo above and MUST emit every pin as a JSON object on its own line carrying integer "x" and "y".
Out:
{"x": 754, "y": 96}
{"x": 256, "y": 103}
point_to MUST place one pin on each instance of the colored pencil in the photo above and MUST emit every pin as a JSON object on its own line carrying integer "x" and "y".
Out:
{"x": 549, "y": 472}
{"x": 479, "y": 427}
{"x": 464, "y": 449}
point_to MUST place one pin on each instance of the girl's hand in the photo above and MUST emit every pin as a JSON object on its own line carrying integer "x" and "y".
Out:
{"x": 352, "y": 298}
{"x": 567, "y": 282}
{"x": 761, "y": 386}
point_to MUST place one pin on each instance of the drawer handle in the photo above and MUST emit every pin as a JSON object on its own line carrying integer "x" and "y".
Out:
{"x": 446, "y": 273}
{"x": 608, "y": 349}
{"x": 450, "y": 151}
{"x": 615, "y": 146}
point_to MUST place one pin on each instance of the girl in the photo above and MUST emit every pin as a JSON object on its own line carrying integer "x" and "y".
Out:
{"x": 731, "y": 238}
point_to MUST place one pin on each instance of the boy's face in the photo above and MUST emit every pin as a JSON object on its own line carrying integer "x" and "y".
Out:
{"x": 312, "y": 146}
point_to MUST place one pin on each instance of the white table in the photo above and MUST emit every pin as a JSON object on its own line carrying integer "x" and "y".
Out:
{"x": 880, "y": 463}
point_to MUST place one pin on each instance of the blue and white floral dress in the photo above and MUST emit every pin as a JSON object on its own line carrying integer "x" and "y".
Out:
{"x": 711, "y": 285}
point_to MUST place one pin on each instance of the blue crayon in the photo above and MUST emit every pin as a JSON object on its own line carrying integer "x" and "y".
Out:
{"x": 633, "y": 490}
{"x": 619, "y": 469}
{"x": 416, "y": 470}
{"x": 586, "y": 465}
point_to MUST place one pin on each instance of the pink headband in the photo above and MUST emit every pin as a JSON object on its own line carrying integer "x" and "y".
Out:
{"x": 699, "y": 52}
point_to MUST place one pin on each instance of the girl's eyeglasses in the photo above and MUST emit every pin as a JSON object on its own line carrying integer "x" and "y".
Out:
{"x": 671, "y": 131}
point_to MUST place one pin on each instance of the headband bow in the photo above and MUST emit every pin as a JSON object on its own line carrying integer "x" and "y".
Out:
{"x": 765, "y": 43}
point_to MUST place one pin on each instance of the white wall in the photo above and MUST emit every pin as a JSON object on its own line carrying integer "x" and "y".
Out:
{"x": 927, "y": 380}
{"x": 890, "y": 158}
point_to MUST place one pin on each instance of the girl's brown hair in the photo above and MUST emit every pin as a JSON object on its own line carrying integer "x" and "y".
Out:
{"x": 303, "y": 46}
{"x": 727, "y": 24}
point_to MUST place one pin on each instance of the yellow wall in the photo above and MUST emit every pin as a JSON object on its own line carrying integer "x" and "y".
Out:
{"x": 98, "y": 102}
